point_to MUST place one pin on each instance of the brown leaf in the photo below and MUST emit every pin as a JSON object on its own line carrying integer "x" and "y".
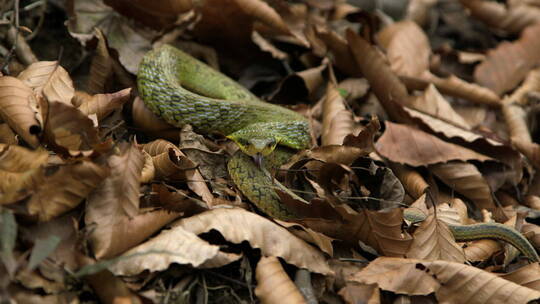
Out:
{"x": 515, "y": 118}
{"x": 360, "y": 293}
{"x": 104, "y": 104}
{"x": 18, "y": 108}
{"x": 527, "y": 276}
{"x": 433, "y": 240}
{"x": 7, "y": 136}
{"x": 19, "y": 159}
{"x": 274, "y": 285}
{"x": 175, "y": 245}
{"x": 101, "y": 67}
{"x": 237, "y": 225}
{"x": 385, "y": 84}
{"x": 530, "y": 84}
{"x": 68, "y": 130}
{"x": 407, "y": 48}
{"x": 337, "y": 120}
{"x": 261, "y": 11}
{"x": 407, "y": 145}
{"x": 467, "y": 180}
{"x": 412, "y": 181}
{"x": 513, "y": 19}
{"x": 499, "y": 71}
{"x": 64, "y": 189}
{"x": 49, "y": 79}
{"x": 126, "y": 167}
{"x": 445, "y": 279}
{"x": 340, "y": 49}
{"x": 144, "y": 119}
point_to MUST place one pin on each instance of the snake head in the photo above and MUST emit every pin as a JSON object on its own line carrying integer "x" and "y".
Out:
{"x": 254, "y": 144}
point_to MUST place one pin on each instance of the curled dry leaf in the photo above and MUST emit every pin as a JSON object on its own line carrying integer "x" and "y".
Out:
{"x": 64, "y": 189}
{"x": 412, "y": 181}
{"x": 238, "y": 225}
{"x": 385, "y": 84}
{"x": 103, "y": 104}
{"x": 7, "y": 136}
{"x": 530, "y": 84}
{"x": 150, "y": 123}
{"x": 148, "y": 171}
{"x": 497, "y": 15}
{"x": 360, "y": 293}
{"x": 68, "y": 130}
{"x": 445, "y": 279}
{"x": 274, "y": 285}
{"x": 515, "y": 118}
{"x": 175, "y": 245}
{"x": 49, "y": 79}
{"x": 261, "y": 11}
{"x": 101, "y": 67}
{"x": 433, "y": 240}
{"x": 407, "y": 145}
{"x": 467, "y": 180}
{"x": 528, "y": 276}
{"x": 337, "y": 120}
{"x": 19, "y": 159}
{"x": 17, "y": 108}
{"x": 499, "y": 71}
{"x": 170, "y": 162}
{"x": 340, "y": 49}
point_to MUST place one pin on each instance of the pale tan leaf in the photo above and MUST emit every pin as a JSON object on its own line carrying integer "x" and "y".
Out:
{"x": 267, "y": 46}
{"x": 354, "y": 87}
{"x": 49, "y": 79}
{"x": 360, "y": 293}
{"x": 515, "y": 118}
{"x": 465, "y": 178}
{"x": 174, "y": 245}
{"x": 433, "y": 103}
{"x": 433, "y": 240}
{"x": 104, "y": 104}
{"x": 7, "y": 136}
{"x": 101, "y": 67}
{"x": 238, "y": 225}
{"x": 337, "y": 120}
{"x": 407, "y": 48}
{"x": 458, "y": 87}
{"x": 309, "y": 235}
{"x": 481, "y": 250}
{"x": 261, "y": 11}
{"x": 64, "y": 189}
{"x": 19, "y": 159}
{"x": 527, "y": 276}
{"x": 509, "y": 63}
{"x": 148, "y": 171}
{"x": 530, "y": 84}
{"x": 340, "y": 49}
{"x": 274, "y": 285}
{"x": 17, "y": 108}
{"x": 529, "y": 149}
{"x": 126, "y": 167}
{"x": 496, "y": 15}
{"x": 407, "y": 145}
{"x": 445, "y": 279}
{"x": 418, "y": 11}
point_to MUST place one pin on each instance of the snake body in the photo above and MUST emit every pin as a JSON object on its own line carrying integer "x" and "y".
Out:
{"x": 182, "y": 90}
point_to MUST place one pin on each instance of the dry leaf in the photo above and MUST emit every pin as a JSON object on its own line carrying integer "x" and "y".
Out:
{"x": 407, "y": 48}
{"x": 104, "y": 104}
{"x": 49, "y": 79}
{"x": 337, "y": 120}
{"x": 261, "y": 11}
{"x": 509, "y": 63}
{"x": 17, "y": 108}
{"x": 274, "y": 285}
{"x": 64, "y": 189}
{"x": 467, "y": 180}
{"x": 445, "y": 279}
{"x": 495, "y": 14}
{"x": 101, "y": 67}
{"x": 407, "y": 145}
{"x": 433, "y": 240}
{"x": 238, "y": 225}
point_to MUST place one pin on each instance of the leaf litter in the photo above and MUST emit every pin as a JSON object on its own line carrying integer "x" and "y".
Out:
{"x": 430, "y": 106}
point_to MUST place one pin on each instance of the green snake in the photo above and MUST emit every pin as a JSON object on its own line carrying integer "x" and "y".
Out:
{"x": 182, "y": 90}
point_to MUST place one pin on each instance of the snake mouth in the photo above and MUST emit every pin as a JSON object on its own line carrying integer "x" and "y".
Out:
{"x": 258, "y": 159}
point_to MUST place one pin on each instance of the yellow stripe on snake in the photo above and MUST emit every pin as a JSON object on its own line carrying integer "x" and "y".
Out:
{"x": 182, "y": 90}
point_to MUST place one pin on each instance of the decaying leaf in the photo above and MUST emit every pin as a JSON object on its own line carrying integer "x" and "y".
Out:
{"x": 49, "y": 79}
{"x": 274, "y": 285}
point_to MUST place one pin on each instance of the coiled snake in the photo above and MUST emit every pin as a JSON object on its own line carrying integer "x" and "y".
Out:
{"x": 182, "y": 90}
